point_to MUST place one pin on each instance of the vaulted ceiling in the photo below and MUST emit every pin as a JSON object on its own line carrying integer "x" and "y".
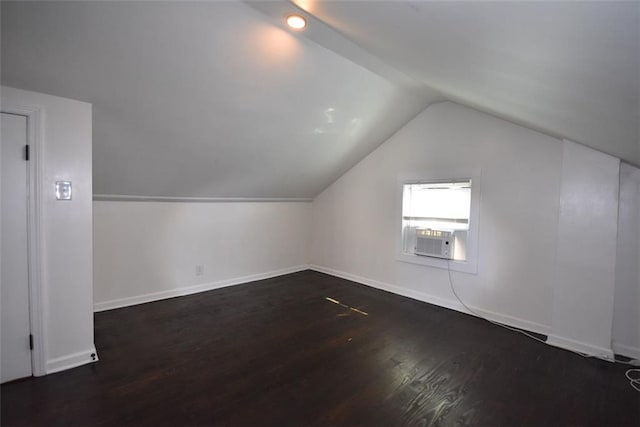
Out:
{"x": 570, "y": 69}
{"x": 219, "y": 99}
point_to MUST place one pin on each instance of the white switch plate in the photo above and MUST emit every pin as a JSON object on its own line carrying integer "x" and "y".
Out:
{"x": 63, "y": 190}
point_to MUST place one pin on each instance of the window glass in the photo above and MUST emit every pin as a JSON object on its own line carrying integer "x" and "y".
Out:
{"x": 440, "y": 206}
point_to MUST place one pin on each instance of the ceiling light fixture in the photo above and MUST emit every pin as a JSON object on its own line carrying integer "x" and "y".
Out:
{"x": 297, "y": 22}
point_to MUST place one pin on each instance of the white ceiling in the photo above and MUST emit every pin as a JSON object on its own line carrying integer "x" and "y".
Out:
{"x": 571, "y": 69}
{"x": 207, "y": 99}
{"x": 216, "y": 99}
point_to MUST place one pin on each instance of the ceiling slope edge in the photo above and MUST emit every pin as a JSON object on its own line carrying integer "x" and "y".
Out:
{"x": 329, "y": 38}
{"x": 171, "y": 199}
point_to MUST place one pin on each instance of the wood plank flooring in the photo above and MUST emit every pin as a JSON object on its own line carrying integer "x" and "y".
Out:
{"x": 278, "y": 353}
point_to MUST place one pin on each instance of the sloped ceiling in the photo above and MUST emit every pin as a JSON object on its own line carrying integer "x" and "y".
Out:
{"x": 217, "y": 99}
{"x": 571, "y": 69}
{"x": 202, "y": 99}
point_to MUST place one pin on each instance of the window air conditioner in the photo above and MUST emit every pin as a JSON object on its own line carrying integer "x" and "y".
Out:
{"x": 434, "y": 243}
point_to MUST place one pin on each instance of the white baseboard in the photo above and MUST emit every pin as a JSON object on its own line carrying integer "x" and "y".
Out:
{"x": 581, "y": 347}
{"x": 557, "y": 341}
{"x": 626, "y": 350}
{"x": 439, "y": 301}
{"x": 554, "y": 340}
{"x": 71, "y": 360}
{"x": 171, "y": 293}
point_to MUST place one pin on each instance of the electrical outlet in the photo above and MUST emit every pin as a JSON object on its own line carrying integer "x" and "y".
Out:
{"x": 199, "y": 269}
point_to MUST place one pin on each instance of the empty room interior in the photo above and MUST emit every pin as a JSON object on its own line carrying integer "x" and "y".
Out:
{"x": 328, "y": 213}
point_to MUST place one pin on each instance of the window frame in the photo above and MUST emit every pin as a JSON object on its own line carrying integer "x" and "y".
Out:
{"x": 470, "y": 265}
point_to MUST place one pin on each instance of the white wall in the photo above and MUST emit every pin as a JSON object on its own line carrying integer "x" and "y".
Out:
{"x": 354, "y": 222}
{"x": 149, "y": 250}
{"x": 66, "y": 228}
{"x": 355, "y": 225}
{"x": 586, "y": 252}
{"x": 626, "y": 325}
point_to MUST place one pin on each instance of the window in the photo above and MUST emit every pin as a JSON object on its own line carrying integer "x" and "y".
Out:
{"x": 438, "y": 223}
{"x": 439, "y": 212}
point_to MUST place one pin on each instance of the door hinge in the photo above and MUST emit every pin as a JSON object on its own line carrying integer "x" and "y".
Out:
{"x": 26, "y": 152}
{"x": 30, "y": 339}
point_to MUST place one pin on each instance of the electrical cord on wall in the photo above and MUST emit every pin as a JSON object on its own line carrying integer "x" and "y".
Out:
{"x": 630, "y": 373}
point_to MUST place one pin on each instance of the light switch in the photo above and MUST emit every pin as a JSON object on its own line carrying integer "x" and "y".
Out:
{"x": 63, "y": 190}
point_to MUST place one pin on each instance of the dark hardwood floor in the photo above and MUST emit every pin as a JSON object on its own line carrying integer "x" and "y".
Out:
{"x": 276, "y": 352}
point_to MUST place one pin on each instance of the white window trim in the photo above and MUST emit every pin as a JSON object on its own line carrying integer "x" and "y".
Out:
{"x": 471, "y": 263}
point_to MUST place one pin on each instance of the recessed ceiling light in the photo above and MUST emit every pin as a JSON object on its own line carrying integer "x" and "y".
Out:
{"x": 296, "y": 22}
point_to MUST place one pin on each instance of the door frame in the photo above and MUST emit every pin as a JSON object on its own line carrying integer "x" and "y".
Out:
{"x": 35, "y": 175}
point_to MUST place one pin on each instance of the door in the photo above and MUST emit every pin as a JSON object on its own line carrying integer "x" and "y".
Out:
{"x": 15, "y": 353}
